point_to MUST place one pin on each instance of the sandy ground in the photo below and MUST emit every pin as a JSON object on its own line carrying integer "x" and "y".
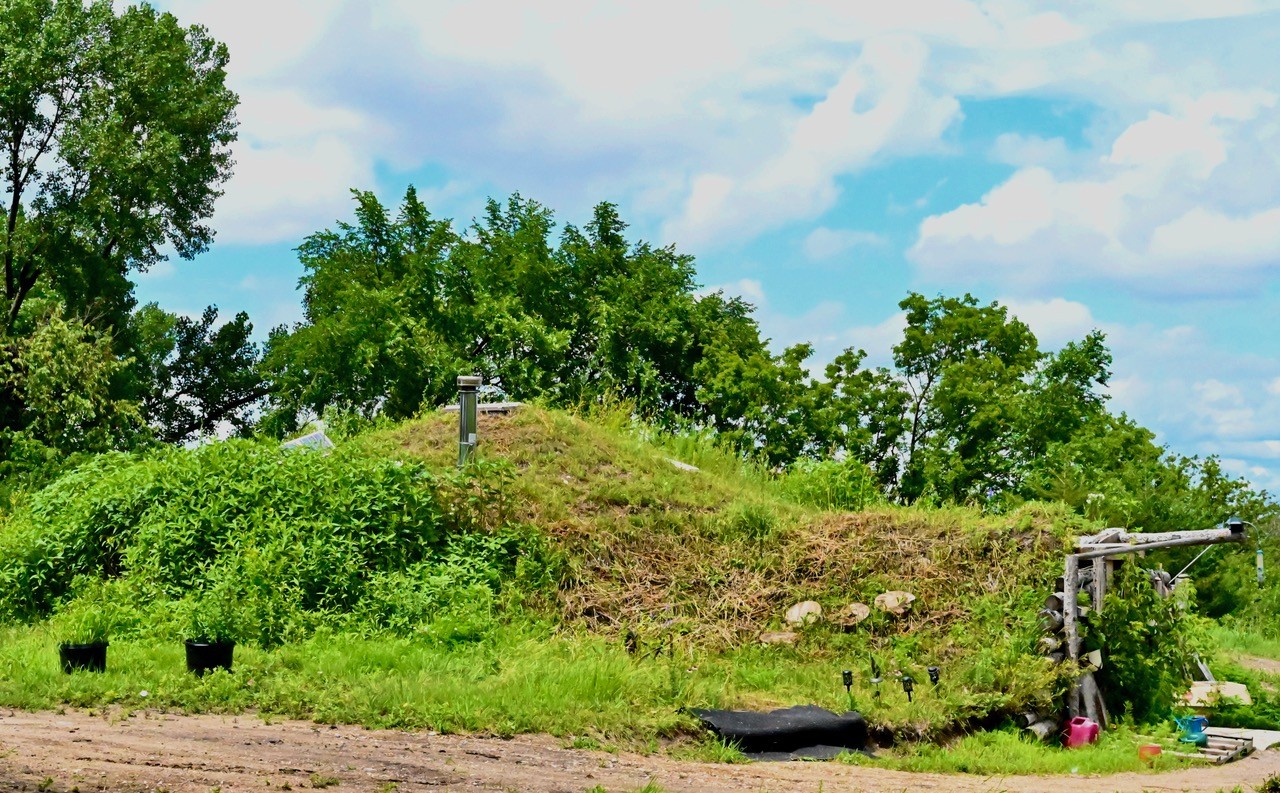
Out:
{"x": 158, "y": 752}
{"x": 1268, "y": 665}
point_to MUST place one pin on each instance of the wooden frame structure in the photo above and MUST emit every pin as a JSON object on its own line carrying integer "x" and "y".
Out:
{"x": 1084, "y": 698}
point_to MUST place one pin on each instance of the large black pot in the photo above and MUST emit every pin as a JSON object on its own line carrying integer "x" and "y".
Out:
{"x": 205, "y": 656}
{"x": 89, "y": 657}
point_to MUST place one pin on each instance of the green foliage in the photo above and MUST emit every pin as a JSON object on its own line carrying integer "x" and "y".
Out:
{"x": 846, "y": 485}
{"x": 195, "y": 375}
{"x": 60, "y": 375}
{"x": 1253, "y": 608}
{"x": 396, "y": 307}
{"x": 222, "y": 612}
{"x": 1150, "y": 642}
{"x": 99, "y": 610}
{"x": 119, "y": 128}
{"x": 265, "y": 544}
{"x": 1011, "y": 751}
{"x": 395, "y": 595}
{"x": 972, "y": 412}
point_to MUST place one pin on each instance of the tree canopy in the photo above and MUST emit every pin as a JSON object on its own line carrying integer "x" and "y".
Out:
{"x": 115, "y": 135}
{"x": 398, "y": 303}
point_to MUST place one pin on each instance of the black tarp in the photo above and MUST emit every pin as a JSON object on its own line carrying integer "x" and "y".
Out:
{"x": 802, "y": 732}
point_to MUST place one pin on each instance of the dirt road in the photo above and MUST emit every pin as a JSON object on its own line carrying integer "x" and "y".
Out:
{"x": 185, "y": 754}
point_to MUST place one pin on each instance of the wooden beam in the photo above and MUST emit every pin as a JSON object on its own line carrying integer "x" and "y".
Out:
{"x": 1212, "y": 537}
{"x": 1111, "y": 537}
{"x": 1071, "y": 584}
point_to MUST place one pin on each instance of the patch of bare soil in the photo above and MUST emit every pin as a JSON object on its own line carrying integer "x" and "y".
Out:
{"x": 185, "y": 754}
{"x": 1268, "y": 665}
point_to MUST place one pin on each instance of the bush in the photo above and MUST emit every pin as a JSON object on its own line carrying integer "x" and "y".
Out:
{"x": 1149, "y": 643}
{"x": 99, "y": 610}
{"x": 255, "y": 542}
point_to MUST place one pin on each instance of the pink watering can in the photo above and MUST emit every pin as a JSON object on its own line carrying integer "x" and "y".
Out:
{"x": 1081, "y": 731}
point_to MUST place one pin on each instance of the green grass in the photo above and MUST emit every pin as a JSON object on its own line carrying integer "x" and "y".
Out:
{"x": 1238, "y": 642}
{"x": 1009, "y": 752}
{"x": 524, "y": 678}
{"x": 649, "y": 787}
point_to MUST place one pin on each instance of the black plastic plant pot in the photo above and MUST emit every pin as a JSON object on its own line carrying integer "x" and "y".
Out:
{"x": 205, "y": 656}
{"x": 88, "y": 657}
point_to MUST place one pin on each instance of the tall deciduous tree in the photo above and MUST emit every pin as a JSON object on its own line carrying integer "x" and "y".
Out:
{"x": 964, "y": 366}
{"x": 397, "y": 305}
{"x": 862, "y": 413}
{"x": 114, "y": 139}
{"x": 198, "y": 374}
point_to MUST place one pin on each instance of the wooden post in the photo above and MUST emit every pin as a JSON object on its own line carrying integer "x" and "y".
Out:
{"x": 1093, "y": 696}
{"x": 1070, "y": 607}
{"x": 1099, "y": 583}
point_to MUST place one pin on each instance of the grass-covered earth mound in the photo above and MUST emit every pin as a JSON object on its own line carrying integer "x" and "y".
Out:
{"x": 574, "y": 580}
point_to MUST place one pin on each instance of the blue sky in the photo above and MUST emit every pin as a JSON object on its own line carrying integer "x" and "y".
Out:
{"x": 1111, "y": 165}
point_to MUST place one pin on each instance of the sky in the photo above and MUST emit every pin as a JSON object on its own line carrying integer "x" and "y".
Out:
{"x": 1111, "y": 165}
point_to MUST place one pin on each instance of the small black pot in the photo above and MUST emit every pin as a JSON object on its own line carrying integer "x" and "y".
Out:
{"x": 204, "y": 656}
{"x": 89, "y": 657}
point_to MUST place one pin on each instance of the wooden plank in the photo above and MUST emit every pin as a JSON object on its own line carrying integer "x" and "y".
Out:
{"x": 1191, "y": 538}
{"x": 1206, "y": 536}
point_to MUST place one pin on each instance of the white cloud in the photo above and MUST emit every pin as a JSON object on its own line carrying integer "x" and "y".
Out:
{"x": 264, "y": 38}
{"x": 296, "y": 158}
{"x": 825, "y": 243}
{"x": 1012, "y": 148}
{"x": 716, "y": 123}
{"x": 718, "y": 137}
{"x": 878, "y": 106}
{"x": 284, "y": 192}
{"x": 749, "y": 289}
{"x": 1207, "y": 236}
{"x": 1153, "y": 213}
{"x": 1223, "y": 410}
{"x": 1199, "y": 397}
{"x": 826, "y": 326}
{"x": 1055, "y": 321}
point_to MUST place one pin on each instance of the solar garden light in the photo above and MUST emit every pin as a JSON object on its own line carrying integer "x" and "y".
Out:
{"x": 876, "y": 679}
{"x": 847, "y": 677}
{"x": 933, "y": 675}
{"x": 908, "y": 684}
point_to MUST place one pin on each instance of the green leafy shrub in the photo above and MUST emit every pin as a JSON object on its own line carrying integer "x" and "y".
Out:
{"x": 1149, "y": 644}
{"x": 845, "y": 485}
{"x": 221, "y": 613}
{"x": 99, "y": 610}
{"x": 257, "y": 543}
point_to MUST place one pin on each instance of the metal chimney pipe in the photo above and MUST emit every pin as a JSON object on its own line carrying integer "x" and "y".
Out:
{"x": 468, "y": 385}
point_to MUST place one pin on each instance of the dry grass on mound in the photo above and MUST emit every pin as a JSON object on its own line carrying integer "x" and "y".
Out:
{"x": 723, "y": 555}
{"x": 729, "y": 588}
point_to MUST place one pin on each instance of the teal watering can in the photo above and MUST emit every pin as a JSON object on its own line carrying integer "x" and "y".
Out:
{"x": 1192, "y": 729}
